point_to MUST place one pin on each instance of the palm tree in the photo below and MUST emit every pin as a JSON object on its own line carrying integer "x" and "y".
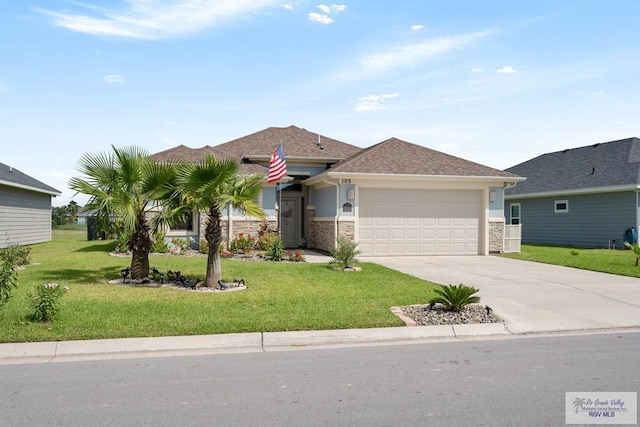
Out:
{"x": 579, "y": 403}
{"x": 128, "y": 185}
{"x": 211, "y": 186}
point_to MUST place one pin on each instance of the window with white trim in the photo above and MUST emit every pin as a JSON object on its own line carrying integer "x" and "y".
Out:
{"x": 561, "y": 206}
{"x": 514, "y": 213}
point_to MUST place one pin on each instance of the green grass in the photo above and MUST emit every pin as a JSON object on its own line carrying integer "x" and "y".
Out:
{"x": 621, "y": 262}
{"x": 280, "y": 296}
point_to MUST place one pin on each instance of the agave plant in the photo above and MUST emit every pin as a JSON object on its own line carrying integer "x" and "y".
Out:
{"x": 454, "y": 297}
{"x": 636, "y": 250}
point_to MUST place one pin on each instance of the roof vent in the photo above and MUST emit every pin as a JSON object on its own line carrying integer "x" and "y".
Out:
{"x": 595, "y": 145}
{"x": 565, "y": 150}
{"x": 11, "y": 169}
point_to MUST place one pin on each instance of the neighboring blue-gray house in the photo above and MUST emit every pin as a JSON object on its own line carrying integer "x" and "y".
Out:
{"x": 582, "y": 197}
{"x": 25, "y": 208}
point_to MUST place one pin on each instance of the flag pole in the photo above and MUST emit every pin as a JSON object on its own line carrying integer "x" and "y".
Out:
{"x": 280, "y": 202}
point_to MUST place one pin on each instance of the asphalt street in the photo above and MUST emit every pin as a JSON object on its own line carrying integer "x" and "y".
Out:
{"x": 497, "y": 382}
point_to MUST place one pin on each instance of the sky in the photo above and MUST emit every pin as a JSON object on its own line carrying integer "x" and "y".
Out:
{"x": 495, "y": 82}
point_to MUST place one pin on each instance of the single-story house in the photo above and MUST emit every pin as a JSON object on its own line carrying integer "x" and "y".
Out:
{"x": 394, "y": 198}
{"x": 25, "y": 208}
{"x": 582, "y": 197}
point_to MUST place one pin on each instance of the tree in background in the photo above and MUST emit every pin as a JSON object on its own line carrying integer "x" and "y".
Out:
{"x": 129, "y": 185}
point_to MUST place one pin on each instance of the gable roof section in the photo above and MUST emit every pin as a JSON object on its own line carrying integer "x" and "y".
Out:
{"x": 12, "y": 177}
{"x": 298, "y": 144}
{"x": 397, "y": 157}
{"x": 187, "y": 154}
{"x": 609, "y": 164}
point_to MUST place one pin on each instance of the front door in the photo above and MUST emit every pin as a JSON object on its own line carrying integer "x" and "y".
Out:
{"x": 289, "y": 221}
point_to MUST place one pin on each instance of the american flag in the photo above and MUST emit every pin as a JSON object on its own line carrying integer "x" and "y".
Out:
{"x": 277, "y": 165}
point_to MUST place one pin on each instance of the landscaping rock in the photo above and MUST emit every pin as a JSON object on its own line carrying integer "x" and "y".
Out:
{"x": 422, "y": 315}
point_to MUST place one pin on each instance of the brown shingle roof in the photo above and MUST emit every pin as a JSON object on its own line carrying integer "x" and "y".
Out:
{"x": 297, "y": 143}
{"x": 187, "y": 154}
{"x": 395, "y": 156}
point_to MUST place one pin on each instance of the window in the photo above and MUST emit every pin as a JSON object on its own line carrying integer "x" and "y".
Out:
{"x": 561, "y": 206}
{"x": 514, "y": 213}
{"x": 187, "y": 225}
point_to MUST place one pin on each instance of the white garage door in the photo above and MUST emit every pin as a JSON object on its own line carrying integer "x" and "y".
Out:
{"x": 418, "y": 222}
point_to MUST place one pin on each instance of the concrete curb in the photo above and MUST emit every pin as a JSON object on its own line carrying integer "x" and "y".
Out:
{"x": 42, "y": 352}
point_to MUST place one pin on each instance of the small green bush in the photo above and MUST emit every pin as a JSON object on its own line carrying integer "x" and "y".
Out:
{"x": 636, "y": 250}
{"x": 454, "y": 297}
{"x": 346, "y": 252}
{"x": 46, "y": 301}
{"x": 183, "y": 244}
{"x": 204, "y": 246}
{"x": 15, "y": 255}
{"x": 242, "y": 242}
{"x": 8, "y": 281}
{"x": 575, "y": 252}
{"x": 159, "y": 245}
{"x": 276, "y": 250}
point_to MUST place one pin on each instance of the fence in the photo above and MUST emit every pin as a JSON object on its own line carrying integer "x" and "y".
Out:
{"x": 512, "y": 238}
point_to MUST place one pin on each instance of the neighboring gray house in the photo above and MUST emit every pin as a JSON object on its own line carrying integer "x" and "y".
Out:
{"x": 25, "y": 208}
{"x": 582, "y": 197}
{"x": 393, "y": 198}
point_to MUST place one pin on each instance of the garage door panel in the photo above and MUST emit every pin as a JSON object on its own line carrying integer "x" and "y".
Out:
{"x": 418, "y": 222}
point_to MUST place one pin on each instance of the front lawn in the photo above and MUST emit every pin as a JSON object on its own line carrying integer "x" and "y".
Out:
{"x": 621, "y": 262}
{"x": 280, "y": 296}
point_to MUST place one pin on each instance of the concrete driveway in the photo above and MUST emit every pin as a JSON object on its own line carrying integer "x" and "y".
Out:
{"x": 533, "y": 297}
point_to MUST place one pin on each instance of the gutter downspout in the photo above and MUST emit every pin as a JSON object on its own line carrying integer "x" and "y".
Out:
{"x": 335, "y": 218}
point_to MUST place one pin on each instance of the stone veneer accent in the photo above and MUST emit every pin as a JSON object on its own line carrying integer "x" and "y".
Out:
{"x": 247, "y": 226}
{"x": 496, "y": 235}
{"x": 320, "y": 234}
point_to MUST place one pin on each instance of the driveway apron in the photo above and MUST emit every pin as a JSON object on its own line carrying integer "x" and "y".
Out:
{"x": 533, "y": 297}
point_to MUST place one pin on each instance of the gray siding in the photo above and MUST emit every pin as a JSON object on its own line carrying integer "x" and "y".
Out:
{"x": 592, "y": 219}
{"x": 25, "y": 217}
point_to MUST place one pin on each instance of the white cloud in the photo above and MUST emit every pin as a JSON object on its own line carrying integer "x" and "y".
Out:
{"x": 476, "y": 70}
{"x": 409, "y": 55}
{"x": 113, "y": 78}
{"x": 322, "y": 19}
{"x": 152, "y": 20}
{"x": 333, "y": 8}
{"x": 508, "y": 69}
{"x": 374, "y": 102}
{"x": 417, "y": 27}
{"x": 288, "y": 6}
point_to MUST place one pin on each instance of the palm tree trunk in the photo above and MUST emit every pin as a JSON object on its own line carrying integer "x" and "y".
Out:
{"x": 140, "y": 246}
{"x": 213, "y": 235}
{"x": 140, "y": 265}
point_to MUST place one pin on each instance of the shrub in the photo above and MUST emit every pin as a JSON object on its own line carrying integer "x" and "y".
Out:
{"x": 159, "y": 244}
{"x": 15, "y": 255}
{"x": 8, "y": 281}
{"x": 454, "y": 297}
{"x": 183, "y": 244}
{"x": 276, "y": 250}
{"x": 204, "y": 246}
{"x": 265, "y": 241}
{"x": 296, "y": 256}
{"x": 46, "y": 301}
{"x": 575, "y": 252}
{"x": 242, "y": 242}
{"x": 265, "y": 236}
{"x": 345, "y": 253}
{"x": 636, "y": 250}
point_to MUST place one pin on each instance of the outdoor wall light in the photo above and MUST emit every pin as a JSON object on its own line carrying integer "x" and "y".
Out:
{"x": 351, "y": 194}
